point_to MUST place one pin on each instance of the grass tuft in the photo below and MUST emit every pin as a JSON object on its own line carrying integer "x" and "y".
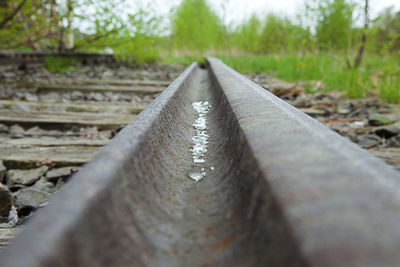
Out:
{"x": 56, "y": 64}
{"x": 331, "y": 71}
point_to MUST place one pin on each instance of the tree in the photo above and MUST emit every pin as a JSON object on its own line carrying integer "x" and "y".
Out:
{"x": 248, "y": 35}
{"x": 280, "y": 34}
{"x": 196, "y": 26}
{"x": 25, "y": 24}
{"x": 360, "y": 54}
{"x": 333, "y": 23}
{"x": 386, "y": 31}
{"x": 14, "y": 11}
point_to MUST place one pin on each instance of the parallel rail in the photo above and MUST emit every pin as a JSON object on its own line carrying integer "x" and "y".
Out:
{"x": 281, "y": 189}
{"x": 17, "y": 58}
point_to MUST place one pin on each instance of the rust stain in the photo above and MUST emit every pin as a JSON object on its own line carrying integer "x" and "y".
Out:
{"x": 209, "y": 229}
{"x": 223, "y": 243}
{"x": 240, "y": 208}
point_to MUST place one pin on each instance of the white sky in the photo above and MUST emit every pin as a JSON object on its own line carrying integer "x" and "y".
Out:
{"x": 238, "y": 10}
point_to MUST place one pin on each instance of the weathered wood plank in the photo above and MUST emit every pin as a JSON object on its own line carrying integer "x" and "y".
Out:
{"x": 102, "y": 121}
{"x": 48, "y": 141}
{"x": 7, "y": 234}
{"x": 48, "y": 87}
{"x": 20, "y": 157}
{"x": 75, "y": 107}
{"x": 124, "y": 82}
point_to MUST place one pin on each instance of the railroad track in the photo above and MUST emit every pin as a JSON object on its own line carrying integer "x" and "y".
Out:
{"x": 51, "y": 124}
{"x": 22, "y": 59}
{"x": 217, "y": 171}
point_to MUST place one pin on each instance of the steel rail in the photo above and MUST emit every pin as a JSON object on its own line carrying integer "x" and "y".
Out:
{"x": 16, "y": 58}
{"x": 281, "y": 189}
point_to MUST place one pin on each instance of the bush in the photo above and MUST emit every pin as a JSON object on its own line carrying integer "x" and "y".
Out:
{"x": 195, "y": 26}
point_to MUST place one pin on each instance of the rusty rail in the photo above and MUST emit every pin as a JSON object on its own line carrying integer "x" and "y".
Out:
{"x": 33, "y": 58}
{"x": 280, "y": 190}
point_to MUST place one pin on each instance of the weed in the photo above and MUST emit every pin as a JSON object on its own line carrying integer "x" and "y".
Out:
{"x": 58, "y": 64}
{"x": 331, "y": 70}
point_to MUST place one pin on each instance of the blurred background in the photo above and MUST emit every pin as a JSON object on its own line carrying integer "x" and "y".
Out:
{"x": 348, "y": 45}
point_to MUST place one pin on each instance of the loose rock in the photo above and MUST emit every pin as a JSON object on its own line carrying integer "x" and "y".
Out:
{"x": 77, "y": 95}
{"x": 379, "y": 119}
{"x": 28, "y": 199}
{"x": 15, "y": 178}
{"x": 3, "y": 171}
{"x": 16, "y": 131}
{"x": 51, "y": 97}
{"x": 3, "y": 128}
{"x": 6, "y": 200}
{"x": 63, "y": 172}
{"x": 43, "y": 185}
{"x": 368, "y": 141}
{"x": 388, "y": 131}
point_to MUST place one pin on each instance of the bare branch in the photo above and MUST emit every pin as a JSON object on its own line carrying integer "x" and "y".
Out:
{"x": 360, "y": 54}
{"x": 12, "y": 15}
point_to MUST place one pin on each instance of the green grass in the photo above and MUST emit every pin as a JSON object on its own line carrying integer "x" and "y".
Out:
{"x": 377, "y": 75}
{"x": 56, "y": 64}
{"x": 184, "y": 60}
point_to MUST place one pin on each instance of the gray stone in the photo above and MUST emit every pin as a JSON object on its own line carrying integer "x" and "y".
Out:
{"x": 51, "y": 97}
{"x": 63, "y": 172}
{"x": 24, "y": 177}
{"x": 20, "y": 95}
{"x": 24, "y": 107}
{"x": 13, "y": 217}
{"x": 31, "y": 97}
{"x": 368, "y": 141}
{"x": 16, "y": 131}
{"x": 60, "y": 183}
{"x": 30, "y": 198}
{"x": 34, "y": 131}
{"x": 344, "y": 108}
{"x": 3, "y": 171}
{"x": 3, "y": 128}
{"x": 379, "y": 119}
{"x": 44, "y": 185}
{"x": 388, "y": 131}
{"x": 6, "y": 200}
{"x": 393, "y": 142}
{"x": 77, "y": 95}
{"x": 96, "y": 96}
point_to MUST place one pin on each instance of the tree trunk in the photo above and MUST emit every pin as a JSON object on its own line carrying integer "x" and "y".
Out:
{"x": 66, "y": 37}
{"x": 3, "y": 3}
{"x": 70, "y": 34}
{"x": 360, "y": 54}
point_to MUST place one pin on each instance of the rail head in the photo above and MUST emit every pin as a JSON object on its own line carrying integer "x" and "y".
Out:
{"x": 287, "y": 191}
{"x": 342, "y": 204}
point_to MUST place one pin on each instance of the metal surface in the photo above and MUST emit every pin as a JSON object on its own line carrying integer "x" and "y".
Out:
{"x": 31, "y": 58}
{"x": 285, "y": 190}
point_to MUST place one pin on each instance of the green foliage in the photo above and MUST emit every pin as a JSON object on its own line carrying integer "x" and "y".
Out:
{"x": 274, "y": 34}
{"x": 195, "y": 26}
{"x": 280, "y": 34}
{"x": 333, "y": 23}
{"x": 388, "y": 83}
{"x": 386, "y": 32}
{"x": 26, "y": 25}
{"x": 331, "y": 72}
{"x": 184, "y": 60}
{"x": 58, "y": 64}
{"x": 138, "y": 41}
{"x": 247, "y": 36}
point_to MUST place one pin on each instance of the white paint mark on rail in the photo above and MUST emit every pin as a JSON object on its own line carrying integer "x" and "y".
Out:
{"x": 200, "y": 139}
